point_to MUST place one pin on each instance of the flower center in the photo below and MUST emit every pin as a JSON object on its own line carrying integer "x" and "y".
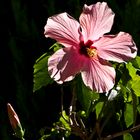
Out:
{"x": 87, "y": 49}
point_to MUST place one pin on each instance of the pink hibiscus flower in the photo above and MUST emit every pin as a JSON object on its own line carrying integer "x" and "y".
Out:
{"x": 87, "y": 49}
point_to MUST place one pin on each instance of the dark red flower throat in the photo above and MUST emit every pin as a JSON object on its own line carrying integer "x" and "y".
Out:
{"x": 87, "y": 49}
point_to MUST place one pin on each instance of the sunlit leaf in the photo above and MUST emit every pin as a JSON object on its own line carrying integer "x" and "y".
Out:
{"x": 41, "y": 76}
{"x": 134, "y": 82}
{"x": 56, "y": 46}
{"x": 127, "y": 136}
{"x": 128, "y": 114}
{"x": 65, "y": 116}
{"x": 64, "y": 119}
{"x": 136, "y": 62}
{"x": 131, "y": 69}
{"x": 82, "y": 113}
{"x": 99, "y": 108}
{"x": 118, "y": 115}
{"x": 135, "y": 85}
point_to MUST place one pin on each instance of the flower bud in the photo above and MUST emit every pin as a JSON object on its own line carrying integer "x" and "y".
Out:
{"x": 15, "y": 122}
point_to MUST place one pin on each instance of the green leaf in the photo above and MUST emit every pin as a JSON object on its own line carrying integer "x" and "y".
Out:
{"x": 134, "y": 82}
{"x": 128, "y": 114}
{"x": 85, "y": 96}
{"x": 124, "y": 74}
{"x": 64, "y": 119}
{"x": 135, "y": 103}
{"x": 82, "y": 114}
{"x": 45, "y": 137}
{"x": 56, "y": 46}
{"x": 127, "y": 136}
{"x": 138, "y": 108}
{"x": 135, "y": 85}
{"x": 65, "y": 116}
{"x": 41, "y": 76}
{"x": 126, "y": 92}
{"x": 132, "y": 70}
{"x": 118, "y": 115}
{"x": 136, "y": 62}
{"x": 98, "y": 108}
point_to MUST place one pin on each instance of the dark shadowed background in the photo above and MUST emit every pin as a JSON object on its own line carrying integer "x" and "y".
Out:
{"x": 22, "y": 42}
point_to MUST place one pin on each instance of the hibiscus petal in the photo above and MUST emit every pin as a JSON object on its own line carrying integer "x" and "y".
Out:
{"x": 96, "y": 20}
{"x": 98, "y": 75}
{"x": 63, "y": 28}
{"x": 64, "y": 64}
{"x": 117, "y": 48}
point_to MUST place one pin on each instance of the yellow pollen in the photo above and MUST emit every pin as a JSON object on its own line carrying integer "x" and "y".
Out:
{"x": 91, "y": 52}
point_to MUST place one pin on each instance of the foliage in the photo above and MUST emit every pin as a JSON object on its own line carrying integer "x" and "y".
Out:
{"x": 126, "y": 89}
{"x": 41, "y": 76}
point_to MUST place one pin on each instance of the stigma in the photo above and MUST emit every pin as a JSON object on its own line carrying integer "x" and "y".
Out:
{"x": 91, "y": 52}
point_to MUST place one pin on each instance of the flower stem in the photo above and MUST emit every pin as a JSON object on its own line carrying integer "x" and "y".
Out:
{"x": 109, "y": 137}
{"x": 62, "y": 94}
{"x": 97, "y": 129}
